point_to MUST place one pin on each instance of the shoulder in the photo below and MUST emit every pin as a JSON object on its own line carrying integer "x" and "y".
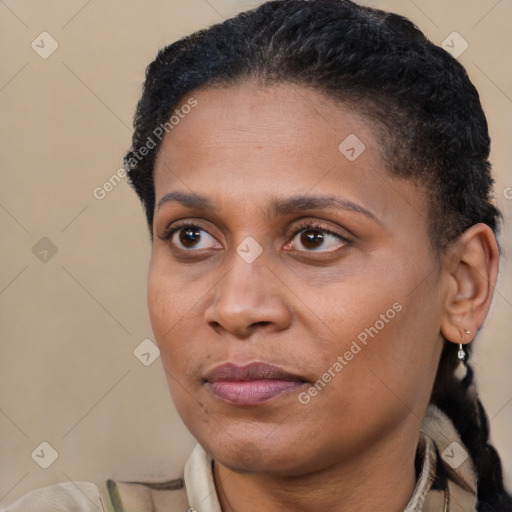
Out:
{"x": 452, "y": 474}
{"x": 156, "y": 495}
{"x": 61, "y": 497}
{"x": 167, "y": 495}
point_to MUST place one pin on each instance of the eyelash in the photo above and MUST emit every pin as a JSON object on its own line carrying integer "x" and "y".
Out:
{"x": 304, "y": 226}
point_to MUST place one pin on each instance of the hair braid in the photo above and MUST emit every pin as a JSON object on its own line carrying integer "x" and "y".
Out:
{"x": 459, "y": 400}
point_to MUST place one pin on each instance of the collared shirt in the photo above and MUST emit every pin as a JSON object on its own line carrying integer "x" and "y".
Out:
{"x": 446, "y": 483}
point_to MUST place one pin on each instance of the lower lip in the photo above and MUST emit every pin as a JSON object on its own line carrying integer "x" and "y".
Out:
{"x": 252, "y": 392}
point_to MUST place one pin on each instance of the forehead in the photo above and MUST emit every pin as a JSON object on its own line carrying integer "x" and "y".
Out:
{"x": 291, "y": 124}
{"x": 254, "y": 142}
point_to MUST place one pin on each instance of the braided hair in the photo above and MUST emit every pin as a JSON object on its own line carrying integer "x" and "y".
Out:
{"x": 426, "y": 111}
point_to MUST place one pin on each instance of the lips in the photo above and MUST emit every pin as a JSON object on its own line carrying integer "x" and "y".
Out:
{"x": 251, "y": 384}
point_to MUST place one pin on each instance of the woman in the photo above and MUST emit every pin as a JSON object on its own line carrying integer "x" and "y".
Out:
{"x": 316, "y": 182}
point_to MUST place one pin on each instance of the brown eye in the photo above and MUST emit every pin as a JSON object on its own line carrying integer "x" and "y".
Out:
{"x": 317, "y": 239}
{"x": 192, "y": 237}
{"x": 311, "y": 239}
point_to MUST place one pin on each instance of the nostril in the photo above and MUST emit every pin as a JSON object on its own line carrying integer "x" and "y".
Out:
{"x": 263, "y": 323}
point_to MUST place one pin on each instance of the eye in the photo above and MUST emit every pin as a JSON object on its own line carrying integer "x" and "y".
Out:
{"x": 307, "y": 238}
{"x": 189, "y": 236}
{"x": 316, "y": 238}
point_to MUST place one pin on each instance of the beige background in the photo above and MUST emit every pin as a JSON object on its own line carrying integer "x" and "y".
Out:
{"x": 69, "y": 325}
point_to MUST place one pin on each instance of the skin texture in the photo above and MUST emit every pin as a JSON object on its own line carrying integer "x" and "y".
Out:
{"x": 299, "y": 306}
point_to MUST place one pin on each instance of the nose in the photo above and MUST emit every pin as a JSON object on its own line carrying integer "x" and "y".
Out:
{"x": 248, "y": 298}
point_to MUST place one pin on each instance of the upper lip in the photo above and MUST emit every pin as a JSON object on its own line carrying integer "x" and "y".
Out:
{"x": 251, "y": 371}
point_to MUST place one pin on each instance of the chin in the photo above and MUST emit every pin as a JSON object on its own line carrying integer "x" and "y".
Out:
{"x": 252, "y": 456}
{"x": 253, "y": 461}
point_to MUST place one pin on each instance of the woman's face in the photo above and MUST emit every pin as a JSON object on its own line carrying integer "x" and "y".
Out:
{"x": 301, "y": 252}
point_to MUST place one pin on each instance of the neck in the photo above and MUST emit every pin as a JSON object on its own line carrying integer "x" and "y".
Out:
{"x": 380, "y": 478}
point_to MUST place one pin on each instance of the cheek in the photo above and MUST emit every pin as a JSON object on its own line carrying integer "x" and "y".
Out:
{"x": 174, "y": 310}
{"x": 169, "y": 313}
{"x": 169, "y": 300}
{"x": 168, "y": 307}
{"x": 382, "y": 350}
{"x": 389, "y": 365}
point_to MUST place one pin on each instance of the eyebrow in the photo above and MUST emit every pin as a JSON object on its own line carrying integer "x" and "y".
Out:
{"x": 276, "y": 207}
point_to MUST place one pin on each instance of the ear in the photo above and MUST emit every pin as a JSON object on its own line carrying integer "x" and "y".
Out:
{"x": 471, "y": 269}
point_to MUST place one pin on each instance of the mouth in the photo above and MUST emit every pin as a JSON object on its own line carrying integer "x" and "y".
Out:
{"x": 251, "y": 384}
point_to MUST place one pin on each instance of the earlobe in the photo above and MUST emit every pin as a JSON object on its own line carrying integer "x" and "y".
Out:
{"x": 471, "y": 272}
{"x": 461, "y": 354}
